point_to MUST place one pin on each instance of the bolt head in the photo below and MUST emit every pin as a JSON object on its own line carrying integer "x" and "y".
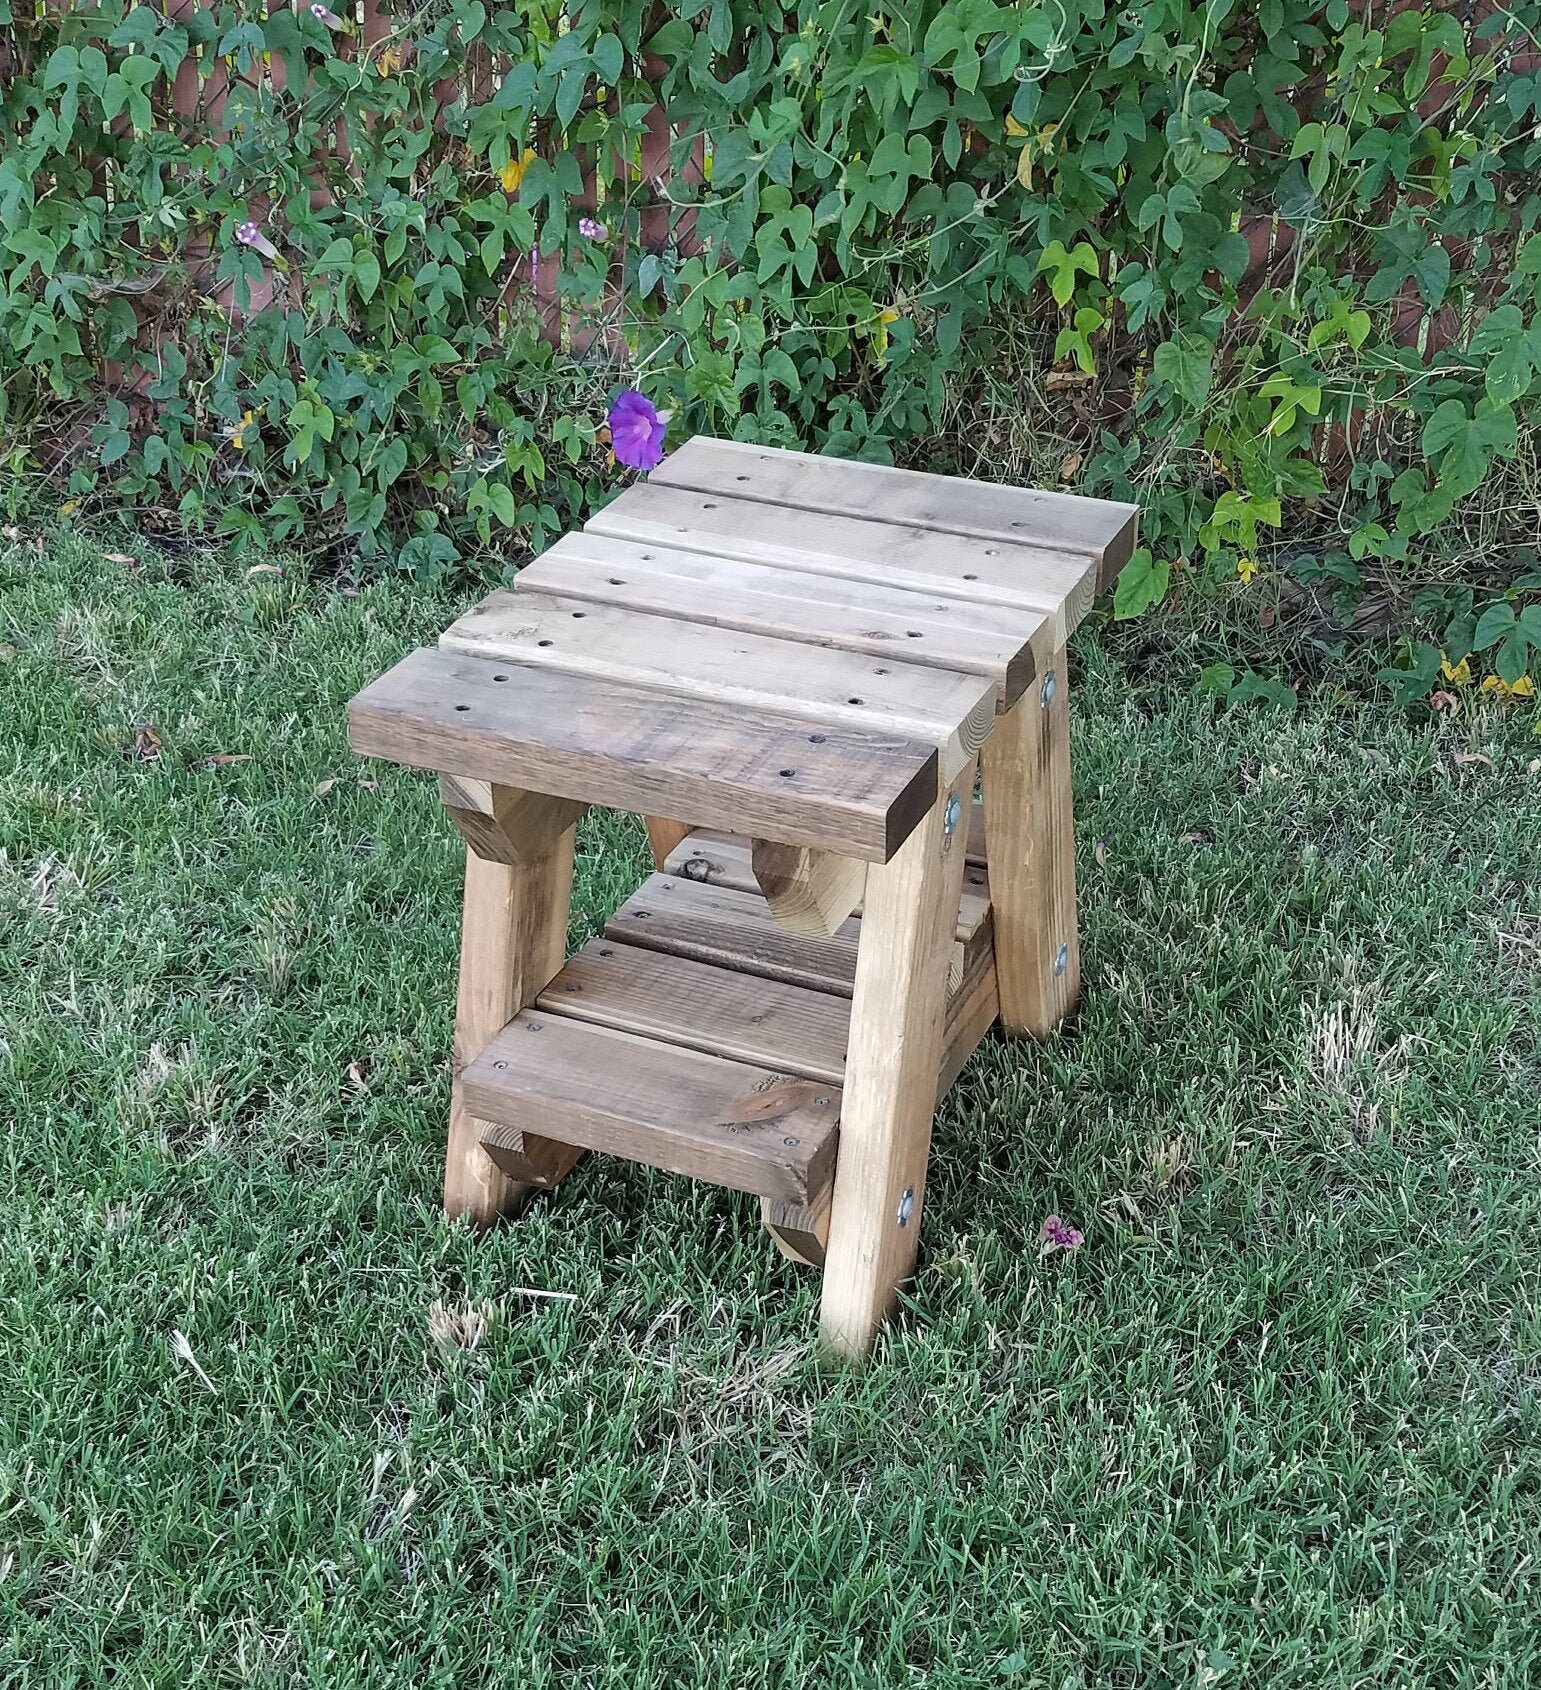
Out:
{"x": 906, "y": 1206}
{"x": 954, "y": 811}
{"x": 1061, "y": 960}
{"x": 1050, "y": 687}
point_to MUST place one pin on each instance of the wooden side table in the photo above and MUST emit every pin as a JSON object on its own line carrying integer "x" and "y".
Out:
{"x": 807, "y": 661}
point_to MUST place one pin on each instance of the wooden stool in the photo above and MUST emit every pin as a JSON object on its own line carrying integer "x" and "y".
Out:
{"x": 808, "y": 660}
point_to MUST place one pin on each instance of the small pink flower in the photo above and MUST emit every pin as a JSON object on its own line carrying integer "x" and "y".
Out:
{"x": 592, "y": 229}
{"x": 1057, "y": 1236}
{"x": 250, "y": 234}
{"x": 326, "y": 15}
{"x": 636, "y": 430}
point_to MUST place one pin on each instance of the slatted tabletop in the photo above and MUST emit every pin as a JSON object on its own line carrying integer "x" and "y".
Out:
{"x": 776, "y": 644}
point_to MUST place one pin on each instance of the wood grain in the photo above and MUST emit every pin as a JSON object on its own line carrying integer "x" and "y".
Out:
{"x": 874, "y": 617}
{"x": 858, "y": 793}
{"x": 950, "y": 710}
{"x": 1031, "y": 840}
{"x": 674, "y": 1000}
{"x": 1101, "y": 528}
{"x": 808, "y": 891}
{"x": 724, "y": 859}
{"x": 513, "y": 935}
{"x": 505, "y": 823}
{"x": 734, "y": 1124}
{"x": 892, "y": 1063}
{"x": 1056, "y": 583}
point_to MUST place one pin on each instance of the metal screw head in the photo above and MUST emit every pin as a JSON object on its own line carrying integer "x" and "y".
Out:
{"x": 532, "y": 1026}
{"x": 1061, "y": 960}
{"x": 790, "y": 1143}
{"x": 1050, "y": 687}
{"x": 954, "y": 810}
{"x": 500, "y": 1065}
{"x": 822, "y": 1102}
{"x": 906, "y": 1205}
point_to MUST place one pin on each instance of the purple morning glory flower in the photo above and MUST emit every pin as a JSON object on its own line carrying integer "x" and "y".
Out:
{"x": 250, "y": 234}
{"x": 1057, "y": 1236}
{"x": 636, "y": 430}
{"x": 326, "y": 16}
{"x": 592, "y": 229}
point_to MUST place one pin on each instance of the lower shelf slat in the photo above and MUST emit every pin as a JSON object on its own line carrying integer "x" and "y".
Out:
{"x": 731, "y": 1123}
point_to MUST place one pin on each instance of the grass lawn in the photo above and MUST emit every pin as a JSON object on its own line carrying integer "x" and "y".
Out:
{"x": 1275, "y": 1424}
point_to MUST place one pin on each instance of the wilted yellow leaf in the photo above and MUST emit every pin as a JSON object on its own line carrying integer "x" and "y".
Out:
{"x": 1025, "y": 167}
{"x": 512, "y": 173}
{"x": 1013, "y": 127}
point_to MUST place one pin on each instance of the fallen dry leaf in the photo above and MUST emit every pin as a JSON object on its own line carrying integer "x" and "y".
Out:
{"x": 325, "y": 786}
{"x": 1265, "y": 616}
{"x": 263, "y": 569}
{"x": 1059, "y": 379}
{"x": 219, "y": 757}
{"x": 369, "y": 786}
{"x": 10, "y": 531}
{"x": 1100, "y": 850}
{"x": 357, "y": 1076}
{"x": 121, "y": 557}
{"x": 1197, "y": 837}
{"x": 1442, "y": 700}
{"x": 1472, "y": 757}
{"x": 146, "y": 746}
{"x": 1068, "y": 469}
{"x": 7, "y": 652}
{"x": 1533, "y": 767}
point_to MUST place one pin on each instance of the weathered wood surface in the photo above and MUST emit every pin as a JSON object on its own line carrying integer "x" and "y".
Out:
{"x": 724, "y": 859}
{"x": 1031, "y": 840}
{"x": 950, "y": 710}
{"x": 731, "y": 1123}
{"x": 893, "y": 1061}
{"x": 840, "y": 788}
{"x": 880, "y": 619}
{"x": 745, "y": 1017}
{"x": 513, "y": 935}
{"x": 1102, "y": 529}
{"x": 808, "y": 891}
{"x": 505, "y": 823}
{"x": 1059, "y": 584}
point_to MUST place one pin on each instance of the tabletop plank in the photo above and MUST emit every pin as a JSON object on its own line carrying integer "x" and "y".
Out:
{"x": 1102, "y": 529}
{"x": 950, "y": 710}
{"x": 848, "y": 790}
{"x": 1004, "y": 643}
{"x": 1060, "y": 584}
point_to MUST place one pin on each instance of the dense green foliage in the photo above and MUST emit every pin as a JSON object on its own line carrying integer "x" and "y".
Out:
{"x": 897, "y": 221}
{"x": 1276, "y": 1424}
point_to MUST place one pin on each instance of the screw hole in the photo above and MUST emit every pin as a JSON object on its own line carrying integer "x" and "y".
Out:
{"x": 815, "y": 739}
{"x": 604, "y": 950}
{"x": 578, "y": 615}
{"x": 647, "y": 557}
{"x": 462, "y": 706}
{"x": 708, "y": 505}
{"x": 740, "y": 477}
{"x": 543, "y": 642}
{"x": 790, "y": 1143}
{"x": 970, "y": 577}
{"x": 500, "y": 677}
{"x": 879, "y": 671}
{"x": 992, "y": 551}
{"x": 616, "y": 581}
{"x": 913, "y": 634}
{"x": 786, "y": 774}
{"x": 853, "y": 701}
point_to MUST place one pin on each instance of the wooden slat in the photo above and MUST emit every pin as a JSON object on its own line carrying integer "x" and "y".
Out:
{"x": 883, "y": 620}
{"x": 734, "y": 930}
{"x": 950, "y": 710}
{"x": 850, "y": 791}
{"x": 723, "y": 859}
{"x": 735, "y": 1124}
{"x": 742, "y": 1016}
{"x": 1059, "y": 584}
{"x": 1100, "y": 528}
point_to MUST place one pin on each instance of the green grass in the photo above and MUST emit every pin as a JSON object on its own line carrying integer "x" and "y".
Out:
{"x": 1275, "y": 1424}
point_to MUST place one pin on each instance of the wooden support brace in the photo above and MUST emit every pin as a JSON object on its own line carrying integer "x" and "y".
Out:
{"x": 663, "y": 836}
{"x": 809, "y": 891}
{"x": 1030, "y": 835}
{"x": 513, "y": 940}
{"x": 503, "y": 823}
{"x": 892, "y": 1063}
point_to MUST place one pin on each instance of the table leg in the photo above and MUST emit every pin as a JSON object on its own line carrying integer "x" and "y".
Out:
{"x": 513, "y": 940}
{"x": 1030, "y": 841}
{"x": 892, "y": 1062}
